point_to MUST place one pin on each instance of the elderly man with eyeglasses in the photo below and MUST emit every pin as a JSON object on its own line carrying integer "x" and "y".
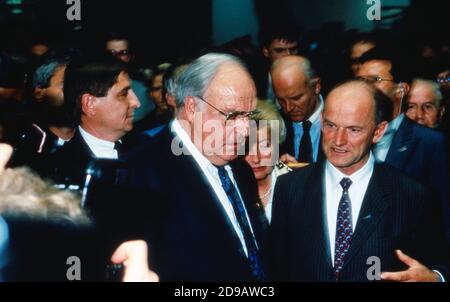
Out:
{"x": 211, "y": 228}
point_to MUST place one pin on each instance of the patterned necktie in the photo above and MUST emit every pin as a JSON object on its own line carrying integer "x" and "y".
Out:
{"x": 305, "y": 149}
{"x": 239, "y": 210}
{"x": 344, "y": 228}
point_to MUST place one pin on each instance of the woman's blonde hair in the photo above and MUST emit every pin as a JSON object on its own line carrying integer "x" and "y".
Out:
{"x": 267, "y": 111}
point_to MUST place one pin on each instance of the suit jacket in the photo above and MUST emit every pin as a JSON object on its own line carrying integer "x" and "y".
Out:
{"x": 288, "y": 145}
{"x": 423, "y": 154}
{"x": 193, "y": 239}
{"x": 395, "y": 214}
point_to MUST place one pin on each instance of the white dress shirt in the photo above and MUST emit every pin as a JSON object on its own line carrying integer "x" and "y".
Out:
{"x": 212, "y": 175}
{"x": 100, "y": 148}
{"x": 314, "y": 132}
{"x": 381, "y": 149}
{"x": 360, "y": 181}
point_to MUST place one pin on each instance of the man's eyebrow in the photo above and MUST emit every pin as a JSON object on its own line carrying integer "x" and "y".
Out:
{"x": 125, "y": 89}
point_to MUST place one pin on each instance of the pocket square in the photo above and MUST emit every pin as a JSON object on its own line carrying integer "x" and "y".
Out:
{"x": 403, "y": 149}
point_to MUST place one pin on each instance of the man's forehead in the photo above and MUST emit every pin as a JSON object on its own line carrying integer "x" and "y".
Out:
{"x": 352, "y": 95}
{"x": 117, "y": 44}
{"x": 375, "y": 66}
{"x": 283, "y": 43}
{"x": 422, "y": 95}
{"x": 123, "y": 81}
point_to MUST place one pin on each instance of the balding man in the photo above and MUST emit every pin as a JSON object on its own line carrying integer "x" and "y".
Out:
{"x": 298, "y": 92}
{"x": 424, "y": 103}
{"x": 357, "y": 212}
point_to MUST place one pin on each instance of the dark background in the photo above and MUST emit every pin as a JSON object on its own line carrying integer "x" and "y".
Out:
{"x": 171, "y": 28}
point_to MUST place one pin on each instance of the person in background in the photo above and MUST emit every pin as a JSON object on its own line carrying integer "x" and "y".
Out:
{"x": 360, "y": 45}
{"x": 51, "y": 125}
{"x": 298, "y": 92}
{"x": 120, "y": 46}
{"x": 424, "y": 103}
{"x": 262, "y": 154}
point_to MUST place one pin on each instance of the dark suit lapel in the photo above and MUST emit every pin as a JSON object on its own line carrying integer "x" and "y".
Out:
{"x": 80, "y": 147}
{"x": 376, "y": 201}
{"x": 402, "y": 145}
{"x": 198, "y": 185}
{"x": 318, "y": 221}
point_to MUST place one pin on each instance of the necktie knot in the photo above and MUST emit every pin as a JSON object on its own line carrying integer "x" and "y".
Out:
{"x": 346, "y": 183}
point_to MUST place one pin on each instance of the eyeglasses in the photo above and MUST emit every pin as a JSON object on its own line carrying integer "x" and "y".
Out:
{"x": 124, "y": 52}
{"x": 373, "y": 79}
{"x": 232, "y": 116}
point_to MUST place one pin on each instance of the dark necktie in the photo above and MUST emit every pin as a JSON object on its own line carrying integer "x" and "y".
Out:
{"x": 119, "y": 148}
{"x": 239, "y": 210}
{"x": 344, "y": 228}
{"x": 305, "y": 153}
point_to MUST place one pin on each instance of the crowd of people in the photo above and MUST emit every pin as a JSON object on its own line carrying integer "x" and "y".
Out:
{"x": 239, "y": 164}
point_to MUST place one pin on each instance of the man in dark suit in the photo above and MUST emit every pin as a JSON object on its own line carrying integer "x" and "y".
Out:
{"x": 209, "y": 228}
{"x": 336, "y": 218}
{"x": 98, "y": 93}
{"x": 416, "y": 150}
{"x": 298, "y": 92}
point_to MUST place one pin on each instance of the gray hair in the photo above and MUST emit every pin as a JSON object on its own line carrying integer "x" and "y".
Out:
{"x": 45, "y": 72}
{"x": 171, "y": 79}
{"x": 434, "y": 88}
{"x": 197, "y": 77}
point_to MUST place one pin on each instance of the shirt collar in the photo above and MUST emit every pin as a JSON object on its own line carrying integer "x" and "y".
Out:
{"x": 336, "y": 176}
{"x": 395, "y": 123}
{"x": 95, "y": 141}
{"x": 202, "y": 161}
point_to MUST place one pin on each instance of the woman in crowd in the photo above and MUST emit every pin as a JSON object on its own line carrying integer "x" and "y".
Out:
{"x": 263, "y": 151}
